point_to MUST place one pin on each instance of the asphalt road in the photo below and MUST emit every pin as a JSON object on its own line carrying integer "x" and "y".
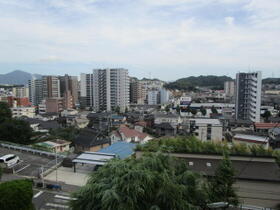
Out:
{"x": 30, "y": 164}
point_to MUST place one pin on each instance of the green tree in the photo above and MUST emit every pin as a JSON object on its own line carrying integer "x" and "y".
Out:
{"x": 221, "y": 185}
{"x": 5, "y": 112}
{"x": 203, "y": 111}
{"x": 1, "y": 172}
{"x": 266, "y": 115}
{"x": 17, "y": 131}
{"x": 117, "y": 109}
{"x": 16, "y": 194}
{"x": 167, "y": 108}
{"x": 178, "y": 109}
{"x": 214, "y": 110}
{"x": 193, "y": 111}
{"x": 151, "y": 182}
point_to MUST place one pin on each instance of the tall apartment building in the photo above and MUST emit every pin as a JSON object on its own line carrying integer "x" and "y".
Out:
{"x": 110, "y": 89}
{"x": 153, "y": 97}
{"x": 86, "y": 90}
{"x": 69, "y": 90}
{"x": 248, "y": 96}
{"x": 35, "y": 87}
{"x": 138, "y": 93}
{"x": 229, "y": 88}
{"x": 51, "y": 87}
{"x": 20, "y": 92}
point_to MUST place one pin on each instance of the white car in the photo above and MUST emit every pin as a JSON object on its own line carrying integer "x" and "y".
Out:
{"x": 9, "y": 160}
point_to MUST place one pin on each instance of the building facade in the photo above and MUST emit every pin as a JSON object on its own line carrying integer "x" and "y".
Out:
{"x": 51, "y": 87}
{"x": 248, "y": 96}
{"x": 35, "y": 91}
{"x": 110, "y": 89}
{"x": 86, "y": 90}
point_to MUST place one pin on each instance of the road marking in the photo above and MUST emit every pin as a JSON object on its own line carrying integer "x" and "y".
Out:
{"x": 38, "y": 194}
{"x": 21, "y": 169}
{"x": 64, "y": 197}
{"x": 57, "y": 205}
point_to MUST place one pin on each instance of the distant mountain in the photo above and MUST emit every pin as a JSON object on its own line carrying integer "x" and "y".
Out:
{"x": 17, "y": 77}
{"x": 190, "y": 83}
{"x": 275, "y": 81}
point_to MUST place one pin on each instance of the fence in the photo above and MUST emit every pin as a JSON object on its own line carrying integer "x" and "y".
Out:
{"x": 34, "y": 151}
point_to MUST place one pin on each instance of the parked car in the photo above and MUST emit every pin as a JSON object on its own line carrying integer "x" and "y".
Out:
{"x": 9, "y": 160}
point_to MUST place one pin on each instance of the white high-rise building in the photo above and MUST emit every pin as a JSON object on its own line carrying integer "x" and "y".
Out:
{"x": 248, "y": 96}
{"x": 229, "y": 88}
{"x": 153, "y": 97}
{"x": 164, "y": 96}
{"x": 110, "y": 89}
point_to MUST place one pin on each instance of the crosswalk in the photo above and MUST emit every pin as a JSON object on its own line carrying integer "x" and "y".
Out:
{"x": 44, "y": 200}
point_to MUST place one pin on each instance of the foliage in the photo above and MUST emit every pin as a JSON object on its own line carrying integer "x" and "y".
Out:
{"x": 1, "y": 172}
{"x": 214, "y": 110}
{"x": 154, "y": 181}
{"x": 203, "y": 111}
{"x": 190, "y": 83}
{"x": 5, "y": 112}
{"x": 271, "y": 81}
{"x": 193, "y": 145}
{"x": 16, "y": 131}
{"x": 221, "y": 185}
{"x": 266, "y": 115}
{"x": 178, "y": 109}
{"x": 193, "y": 111}
{"x": 16, "y": 195}
{"x": 68, "y": 133}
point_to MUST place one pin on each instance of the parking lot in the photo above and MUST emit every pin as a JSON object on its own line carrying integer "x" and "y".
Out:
{"x": 30, "y": 164}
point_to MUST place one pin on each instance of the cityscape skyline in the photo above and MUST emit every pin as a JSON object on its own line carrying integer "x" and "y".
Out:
{"x": 150, "y": 38}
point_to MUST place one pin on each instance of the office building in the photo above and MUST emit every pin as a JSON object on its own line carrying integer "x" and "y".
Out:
{"x": 69, "y": 91}
{"x": 248, "y": 96}
{"x": 110, "y": 89}
{"x": 51, "y": 87}
{"x": 35, "y": 87}
{"x": 86, "y": 90}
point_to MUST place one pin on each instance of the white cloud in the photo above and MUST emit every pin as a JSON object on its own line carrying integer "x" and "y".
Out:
{"x": 84, "y": 31}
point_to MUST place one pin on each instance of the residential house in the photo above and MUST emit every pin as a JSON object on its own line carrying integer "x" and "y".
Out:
{"x": 91, "y": 140}
{"x": 56, "y": 145}
{"x": 251, "y": 140}
{"x": 127, "y": 134}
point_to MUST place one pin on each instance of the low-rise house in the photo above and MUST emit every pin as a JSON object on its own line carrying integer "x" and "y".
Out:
{"x": 173, "y": 119}
{"x": 43, "y": 126}
{"x": 91, "y": 140}
{"x": 265, "y": 127}
{"x": 129, "y": 135}
{"x": 165, "y": 129}
{"x": 56, "y": 145}
{"x": 251, "y": 140}
{"x": 118, "y": 120}
{"x": 140, "y": 125}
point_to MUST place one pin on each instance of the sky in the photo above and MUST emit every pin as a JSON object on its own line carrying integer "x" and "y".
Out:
{"x": 165, "y": 39}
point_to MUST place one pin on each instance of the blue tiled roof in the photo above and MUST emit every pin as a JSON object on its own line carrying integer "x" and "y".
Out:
{"x": 121, "y": 149}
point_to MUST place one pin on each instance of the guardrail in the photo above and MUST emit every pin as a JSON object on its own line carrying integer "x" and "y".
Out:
{"x": 34, "y": 151}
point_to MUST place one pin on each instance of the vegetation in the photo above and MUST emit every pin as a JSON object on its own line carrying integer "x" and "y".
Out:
{"x": 1, "y": 172}
{"x": 214, "y": 110}
{"x": 68, "y": 133}
{"x": 5, "y": 112}
{"x": 16, "y": 195}
{"x": 13, "y": 130}
{"x": 266, "y": 115}
{"x": 221, "y": 185}
{"x": 203, "y": 111}
{"x": 193, "y": 145}
{"x": 194, "y": 111}
{"x": 190, "y": 83}
{"x": 154, "y": 181}
{"x": 16, "y": 131}
{"x": 275, "y": 81}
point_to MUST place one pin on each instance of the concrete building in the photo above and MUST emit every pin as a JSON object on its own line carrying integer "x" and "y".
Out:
{"x": 164, "y": 96}
{"x": 248, "y": 96}
{"x": 229, "y": 88}
{"x": 54, "y": 105}
{"x": 23, "y": 111}
{"x": 153, "y": 97}
{"x": 110, "y": 89}
{"x": 35, "y": 91}
{"x": 69, "y": 90}
{"x": 205, "y": 129}
{"x": 138, "y": 93}
{"x": 20, "y": 92}
{"x": 51, "y": 87}
{"x": 86, "y": 90}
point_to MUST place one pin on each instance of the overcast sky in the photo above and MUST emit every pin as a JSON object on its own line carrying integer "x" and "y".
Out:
{"x": 167, "y": 39}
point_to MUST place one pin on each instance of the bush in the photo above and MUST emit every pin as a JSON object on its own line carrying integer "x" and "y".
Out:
{"x": 16, "y": 195}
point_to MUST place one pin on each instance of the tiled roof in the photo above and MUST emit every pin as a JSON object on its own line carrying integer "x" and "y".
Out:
{"x": 266, "y": 125}
{"x": 127, "y": 132}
